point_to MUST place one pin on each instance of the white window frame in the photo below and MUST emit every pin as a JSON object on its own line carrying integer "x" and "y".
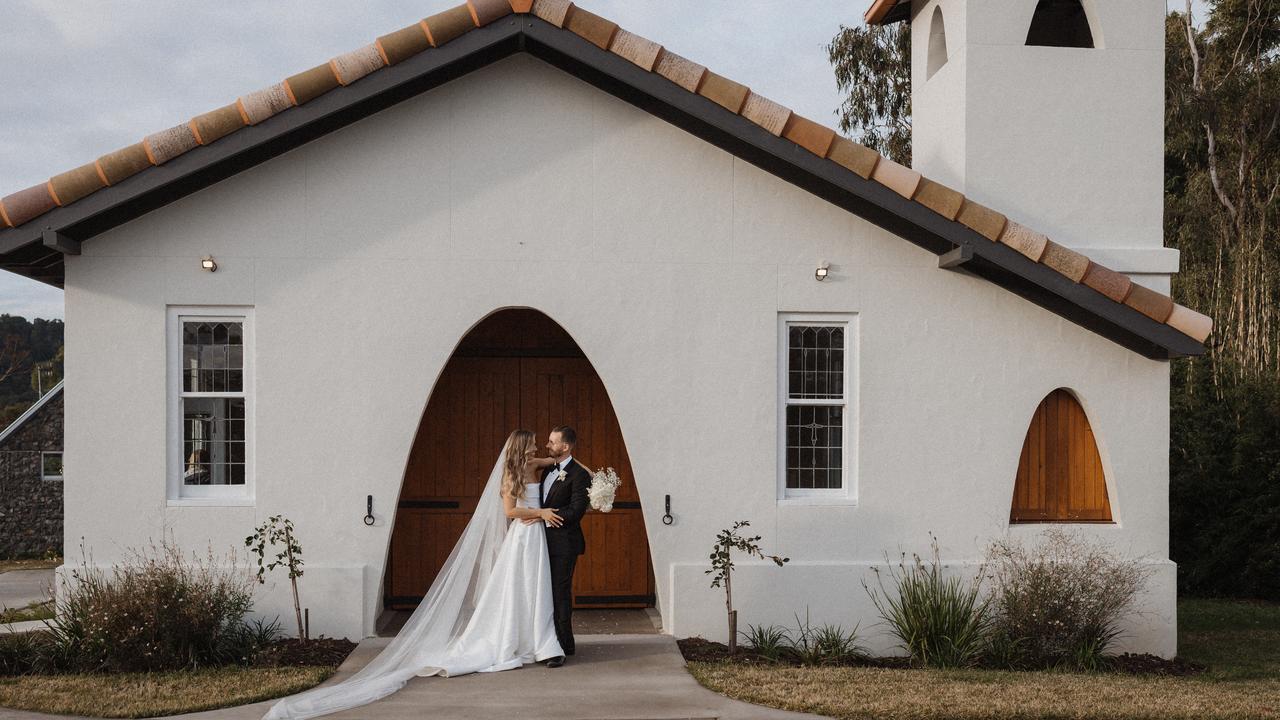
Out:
{"x": 51, "y": 478}
{"x": 209, "y": 495}
{"x": 847, "y": 493}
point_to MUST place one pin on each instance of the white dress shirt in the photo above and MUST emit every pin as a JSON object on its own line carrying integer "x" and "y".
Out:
{"x": 546, "y": 486}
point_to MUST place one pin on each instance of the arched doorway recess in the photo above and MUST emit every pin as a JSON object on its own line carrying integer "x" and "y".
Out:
{"x": 516, "y": 369}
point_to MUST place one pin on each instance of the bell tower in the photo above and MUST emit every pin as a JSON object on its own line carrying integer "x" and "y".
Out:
{"x": 1050, "y": 111}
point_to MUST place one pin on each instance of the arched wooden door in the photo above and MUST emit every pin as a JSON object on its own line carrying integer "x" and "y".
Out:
{"x": 518, "y": 369}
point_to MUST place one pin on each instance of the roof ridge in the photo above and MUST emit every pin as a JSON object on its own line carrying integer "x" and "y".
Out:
{"x": 61, "y": 190}
{"x": 26, "y": 414}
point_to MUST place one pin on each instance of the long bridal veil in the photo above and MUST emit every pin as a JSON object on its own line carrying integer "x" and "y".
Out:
{"x": 442, "y": 615}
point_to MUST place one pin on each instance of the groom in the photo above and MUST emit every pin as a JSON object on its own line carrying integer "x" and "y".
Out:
{"x": 564, "y": 487}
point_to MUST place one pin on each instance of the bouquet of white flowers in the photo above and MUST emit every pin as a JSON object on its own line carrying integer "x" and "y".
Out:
{"x": 604, "y": 484}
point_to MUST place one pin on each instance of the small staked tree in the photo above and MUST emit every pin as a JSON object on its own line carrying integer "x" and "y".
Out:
{"x": 279, "y": 530}
{"x": 722, "y": 568}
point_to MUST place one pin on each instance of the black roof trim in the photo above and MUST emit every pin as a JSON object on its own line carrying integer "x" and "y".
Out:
{"x": 22, "y": 249}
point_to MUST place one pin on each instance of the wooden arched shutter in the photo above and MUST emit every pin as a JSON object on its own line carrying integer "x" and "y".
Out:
{"x": 1060, "y": 476}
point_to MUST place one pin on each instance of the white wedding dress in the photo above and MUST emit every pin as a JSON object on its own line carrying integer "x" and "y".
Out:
{"x": 489, "y": 609}
{"x": 513, "y": 622}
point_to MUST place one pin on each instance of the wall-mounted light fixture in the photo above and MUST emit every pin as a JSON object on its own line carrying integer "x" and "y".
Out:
{"x": 821, "y": 273}
{"x": 207, "y": 263}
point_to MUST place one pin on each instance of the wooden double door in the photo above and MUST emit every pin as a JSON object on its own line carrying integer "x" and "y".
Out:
{"x": 477, "y": 402}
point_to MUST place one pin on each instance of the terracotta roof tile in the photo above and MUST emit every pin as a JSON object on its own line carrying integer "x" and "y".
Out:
{"x": 27, "y": 204}
{"x": 681, "y": 71}
{"x": 1108, "y": 282}
{"x": 638, "y": 50}
{"x": 809, "y": 135}
{"x": 484, "y": 12}
{"x": 1190, "y": 323}
{"x": 124, "y": 163}
{"x": 310, "y": 84}
{"x": 1024, "y": 240}
{"x": 404, "y": 43}
{"x": 591, "y": 27}
{"x": 724, "y": 92}
{"x": 939, "y": 198}
{"x": 72, "y": 185}
{"x": 217, "y": 124}
{"x": 1065, "y": 260}
{"x": 165, "y": 145}
{"x": 553, "y": 11}
{"x": 350, "y": 67}
{"x": 258, "y": 106}
{"x": 853, "y": 156}
{"x": 766, "y": 113}
{"x": 450, "y": 24}
{"x": 21, "y": 207}
{"x": 900, "y": 179}
{"x": 1154, "y": 305}
{"x": 981, "y": 219}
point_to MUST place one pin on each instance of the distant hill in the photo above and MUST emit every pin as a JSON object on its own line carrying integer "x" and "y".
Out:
{"x": 30, "y": 358}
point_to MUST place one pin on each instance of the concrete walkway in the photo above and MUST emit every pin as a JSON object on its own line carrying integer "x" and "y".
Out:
{"x": 18, "y": 588}
{"x": 612, "y": 677}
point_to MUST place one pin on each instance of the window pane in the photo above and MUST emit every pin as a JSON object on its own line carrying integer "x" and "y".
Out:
{"x": 213, "y": 441}
{"x": 212, "y": 356}
{"x": 814, "y": 450}
{"x": 52, "y": 464}
{"x": 815, "y": 355}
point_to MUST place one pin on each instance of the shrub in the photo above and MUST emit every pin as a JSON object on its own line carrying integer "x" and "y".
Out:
{"x": 155, "y": 612}
{"x": 1058, "y": 603}
{"x": 768, "y": 641}
{"x": 826, "y": 644}
{"x": 940, "y": 621}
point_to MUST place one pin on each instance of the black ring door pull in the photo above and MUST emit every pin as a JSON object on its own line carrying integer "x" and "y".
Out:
{"x": 368, "y": 511}
{"x": 667, "y": 519}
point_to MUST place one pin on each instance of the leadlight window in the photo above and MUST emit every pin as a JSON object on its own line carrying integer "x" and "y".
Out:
{"x": 815, "y": 407}
{"x": 212, "y": 435}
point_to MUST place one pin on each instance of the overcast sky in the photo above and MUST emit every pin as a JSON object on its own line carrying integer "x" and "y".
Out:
{"x": 86, "y": 77}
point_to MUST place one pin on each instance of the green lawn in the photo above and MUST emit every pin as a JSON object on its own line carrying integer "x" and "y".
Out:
{"x": 1238, "y": 641}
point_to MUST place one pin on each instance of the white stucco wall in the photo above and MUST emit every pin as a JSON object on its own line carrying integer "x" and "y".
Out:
{"x": 369, "y": 253}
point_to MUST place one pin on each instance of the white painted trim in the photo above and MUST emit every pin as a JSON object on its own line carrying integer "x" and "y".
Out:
{"x": 847, "y": 493}
{"x": 35, "y": 407}
{"x": 178, "y": 494}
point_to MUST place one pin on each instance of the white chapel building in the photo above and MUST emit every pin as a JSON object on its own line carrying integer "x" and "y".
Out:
{"x": 333, "y": 298}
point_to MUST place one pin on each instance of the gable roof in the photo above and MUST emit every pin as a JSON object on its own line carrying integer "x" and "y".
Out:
{"x": 887, "y": 12}
{"x": 42, "y": 223}
{"x": 31, "y": 411}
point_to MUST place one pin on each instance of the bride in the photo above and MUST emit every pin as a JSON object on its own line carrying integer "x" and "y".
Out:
{"x": 489, "y": 608}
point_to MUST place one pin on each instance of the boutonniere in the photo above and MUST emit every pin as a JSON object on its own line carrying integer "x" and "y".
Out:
{"x": 562, "y": 475}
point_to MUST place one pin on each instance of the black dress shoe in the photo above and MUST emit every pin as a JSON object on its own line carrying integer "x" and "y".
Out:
{"x": 568, "y": 651}
{"x": 556, "y": 661}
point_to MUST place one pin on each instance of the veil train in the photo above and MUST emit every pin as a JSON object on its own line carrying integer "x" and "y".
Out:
{"x": 441, "y": 616}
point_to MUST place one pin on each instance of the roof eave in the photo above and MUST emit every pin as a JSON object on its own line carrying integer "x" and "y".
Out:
{"x": 614, "y": 74}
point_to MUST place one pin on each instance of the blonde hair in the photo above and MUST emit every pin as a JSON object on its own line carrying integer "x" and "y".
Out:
{"x": 520, "y": 449}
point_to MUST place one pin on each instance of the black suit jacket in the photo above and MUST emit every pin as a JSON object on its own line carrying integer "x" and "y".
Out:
{"x": 569, "y": 499}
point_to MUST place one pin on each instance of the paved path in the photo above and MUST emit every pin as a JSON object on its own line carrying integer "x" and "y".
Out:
{"x": 613, "y": 677}
{"x": 20, "y": 587}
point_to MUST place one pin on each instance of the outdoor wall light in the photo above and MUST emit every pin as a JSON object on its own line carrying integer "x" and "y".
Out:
{"x": 821, "y": 273}
{"x": 207, "y": 263}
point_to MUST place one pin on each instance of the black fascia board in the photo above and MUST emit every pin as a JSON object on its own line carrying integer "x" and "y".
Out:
{"x": 649, "y": 91}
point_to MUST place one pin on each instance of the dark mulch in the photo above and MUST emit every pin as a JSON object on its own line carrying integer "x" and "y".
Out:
{"x": 698, "y": 649}
{"x": 316, "y": 651}
{"x": 1147, "y": 664}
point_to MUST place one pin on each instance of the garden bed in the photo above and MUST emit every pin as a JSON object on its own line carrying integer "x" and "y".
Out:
{"x": 700, "y": 650}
